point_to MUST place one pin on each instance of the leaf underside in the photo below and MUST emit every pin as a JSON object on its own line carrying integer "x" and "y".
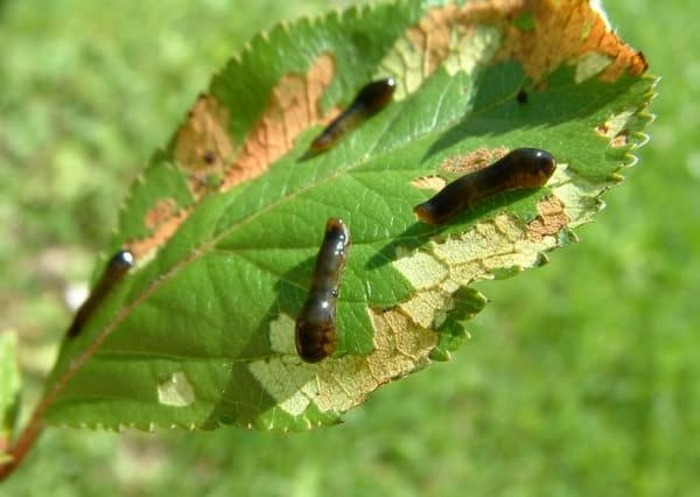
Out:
{"x": 226, "y": 220}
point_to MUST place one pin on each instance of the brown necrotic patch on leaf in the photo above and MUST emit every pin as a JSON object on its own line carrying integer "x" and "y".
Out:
{"x": 162, "y": 220}
{"x": 162, "y": 211}
{"x": 564, "y": 32}
{"x": 461, "y": 164}
{"x": 293, "y": 107}
{"x": 616, "y": 129}
{"x": 203, "y": 146}
{"x": 622, "y": 139}
{"x": 473, "y": 161}
{"x": 551, "y": 219}
{"x": 433, "y": 35}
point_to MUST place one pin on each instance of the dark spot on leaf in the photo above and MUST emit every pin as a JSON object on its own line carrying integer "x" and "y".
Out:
{"x": 522, "y": 97}
{"x": 209, "y": 158}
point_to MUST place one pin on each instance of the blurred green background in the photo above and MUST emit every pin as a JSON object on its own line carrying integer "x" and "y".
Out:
{"x": 582, "y": 378}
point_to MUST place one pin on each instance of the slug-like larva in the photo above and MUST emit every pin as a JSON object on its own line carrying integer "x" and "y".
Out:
{"x": 520, "y": 169}
{"x": 315, "y": 333}
{"x": 117, "y": 267}
{"x": 371, "y": 99}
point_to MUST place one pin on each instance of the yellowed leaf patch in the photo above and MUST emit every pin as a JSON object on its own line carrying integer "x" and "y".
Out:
{"x": 337, "y": 384}
{"x": 446, "y": 37}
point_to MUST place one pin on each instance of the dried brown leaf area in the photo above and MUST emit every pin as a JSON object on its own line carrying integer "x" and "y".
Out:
{"x": 340, "y": 383}
{"x": 473, "y": 161}
{"x": 293, "y": 108}
{"x": 203, "y": 146}
{"x": 460, "y": 165}
{"x": 206, "y": 153}
{"x": 163, "y": 220}
{"x": 433, "y": 34}
{"x": 550, "y": 33}
{"x": 552, "y": 218}
{"x": 566, "y": 32}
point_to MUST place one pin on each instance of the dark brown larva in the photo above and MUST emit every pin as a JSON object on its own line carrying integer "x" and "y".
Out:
{"x": 315, "y": 332}
{"x": 371, "y": 99}
{"x": 117, "y": 267}
{"x": 522, "y": 168}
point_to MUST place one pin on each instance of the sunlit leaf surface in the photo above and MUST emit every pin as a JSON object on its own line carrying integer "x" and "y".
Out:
{"x": 226, "y": 220}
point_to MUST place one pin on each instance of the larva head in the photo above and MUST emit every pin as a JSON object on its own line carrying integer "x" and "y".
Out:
{"x": 337, "y": 233}
{"x": 426, "y": 212}
{"x": 315, "y": 342}
{"x": 376, "y": 95}
{"x": 122, "y": 260}
{"x": 534, "y": 166}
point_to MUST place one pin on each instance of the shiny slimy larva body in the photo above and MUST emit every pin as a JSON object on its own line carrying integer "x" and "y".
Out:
{"x": 372, "y": 98}
{"x": 522, "y": 168}
{"x": 116, "y": 269}
{"x": 315, "y": 332}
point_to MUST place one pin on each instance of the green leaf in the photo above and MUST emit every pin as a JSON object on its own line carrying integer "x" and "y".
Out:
{"x": 9, "y": 389}
{"x": 226, "y": 220}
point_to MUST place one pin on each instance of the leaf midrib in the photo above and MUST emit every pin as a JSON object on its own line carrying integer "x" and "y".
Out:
{"x": 207, "y": 247}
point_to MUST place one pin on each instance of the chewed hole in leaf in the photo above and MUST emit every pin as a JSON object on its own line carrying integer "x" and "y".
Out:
{"x": 176, "y": 391}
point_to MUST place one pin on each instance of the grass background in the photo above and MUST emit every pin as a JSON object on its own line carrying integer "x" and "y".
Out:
{"x": 582, "y": 378}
